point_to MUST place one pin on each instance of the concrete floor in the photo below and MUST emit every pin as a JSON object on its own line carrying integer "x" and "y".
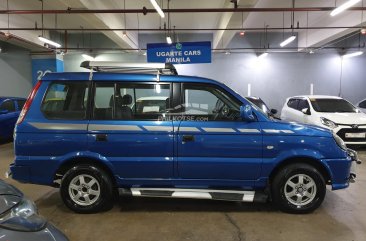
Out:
{"x": 341, "y": 217}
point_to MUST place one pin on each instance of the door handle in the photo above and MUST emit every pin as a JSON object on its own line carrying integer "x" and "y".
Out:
{"x": 101, "y": 137}
{"x": 187, "y": 138}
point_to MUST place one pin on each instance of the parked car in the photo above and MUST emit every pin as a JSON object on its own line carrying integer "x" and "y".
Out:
{"x": 227, "y": 150}
{"x": 260, "y": 103}
{"x": 10, "y": 108}
{"x": 330, "y": 112}
{"x": 362, "y": 106}
{"x": 19, "y": 219}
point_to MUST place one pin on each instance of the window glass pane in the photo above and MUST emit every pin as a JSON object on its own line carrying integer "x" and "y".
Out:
{"x": 20, "y": 104}
{"x": 363, "y": 104}
{"x": 129, "y": 101}
{"x": 8, "y": 105}
{"x": 104, "y": 101}
{"x": 302, "y": 105}
{"x": 207, "y": 103}
{"x": 332, "y": 105}
{"x": 292, "y": 103}
{"x": 65, "y": 101}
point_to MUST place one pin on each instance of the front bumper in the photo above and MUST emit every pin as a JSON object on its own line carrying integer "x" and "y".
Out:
{"x": 343, "y": 130}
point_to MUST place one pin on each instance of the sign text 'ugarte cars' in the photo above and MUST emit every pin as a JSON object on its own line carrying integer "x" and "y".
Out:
{"x": 179, "y": 53}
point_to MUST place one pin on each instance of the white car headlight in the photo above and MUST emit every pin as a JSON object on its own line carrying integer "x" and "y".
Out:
{"x": 328, "y": 123}
{"x": 339, "y": 142}
{"x": 23, "y": 217}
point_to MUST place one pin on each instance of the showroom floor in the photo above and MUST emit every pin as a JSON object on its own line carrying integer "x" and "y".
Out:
{"x": 341, "y": 217}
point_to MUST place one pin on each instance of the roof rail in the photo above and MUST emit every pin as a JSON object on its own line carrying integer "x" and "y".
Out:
{"x": 121, "y": 67}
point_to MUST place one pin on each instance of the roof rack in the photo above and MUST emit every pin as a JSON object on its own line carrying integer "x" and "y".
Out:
{"x": 121, "y": 67}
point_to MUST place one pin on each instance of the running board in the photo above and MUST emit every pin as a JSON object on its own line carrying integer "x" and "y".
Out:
{"x": 227, "y": 195}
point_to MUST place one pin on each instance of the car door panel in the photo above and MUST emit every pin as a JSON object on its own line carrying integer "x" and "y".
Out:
{"x": 125, "y": 130}
{"x": 223, "y": 150}
{"x": 136, "y": 149}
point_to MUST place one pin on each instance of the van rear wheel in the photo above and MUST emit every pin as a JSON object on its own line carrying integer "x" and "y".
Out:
{"x": 298, "y": 188}
{"x": 87, "y": 189}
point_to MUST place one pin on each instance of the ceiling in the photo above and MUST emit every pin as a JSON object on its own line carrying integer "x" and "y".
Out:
{"x": 186, "y": 20}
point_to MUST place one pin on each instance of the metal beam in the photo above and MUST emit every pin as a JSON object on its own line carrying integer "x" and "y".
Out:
{"x": 182, "y": 10}
{"x": 177, "y": 29}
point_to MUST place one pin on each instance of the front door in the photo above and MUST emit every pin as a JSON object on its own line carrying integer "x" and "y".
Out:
{"x": 128, "y": 130}
{"x": 215, "y": 147}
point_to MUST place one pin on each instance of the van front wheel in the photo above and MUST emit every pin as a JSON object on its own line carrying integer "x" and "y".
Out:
{"x": 298, "y": 188}
{"x": 87, "y": 189}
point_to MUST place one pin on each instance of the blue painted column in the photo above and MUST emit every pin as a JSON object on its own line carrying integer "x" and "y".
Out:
{"x": 43, "y": 64}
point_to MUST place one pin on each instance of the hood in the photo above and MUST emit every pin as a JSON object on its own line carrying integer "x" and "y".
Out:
{"x": 9, "y": 196}
{"x": 293, "y": 128}
{"x": 345, "y": 118}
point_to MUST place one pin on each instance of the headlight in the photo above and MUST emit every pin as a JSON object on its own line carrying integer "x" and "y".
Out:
{"x": 340, "y": 142}
{"x": 328, "y": 123}
{"x": 23, "y": 217}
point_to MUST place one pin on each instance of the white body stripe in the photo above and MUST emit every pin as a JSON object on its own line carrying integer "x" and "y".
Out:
{"x": 95, "y": 127}
{"x": 159, "y": 128}
{"x": 191, "y": 129}
{"x": 249, "y": 130}
{"x": 58, "y": 126}
{"x": 278, "y": 131}
{"x": 224, "y": 130}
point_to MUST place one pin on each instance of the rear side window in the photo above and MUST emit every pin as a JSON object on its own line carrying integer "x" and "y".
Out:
{"x": 20, "y": 104}
{"x": 130, "y": 101}
{"x": 362, "y": 104}
{"x": 292, "y": 103}
{"x": 66, "y": 101}
{"x": 8, "y": 105}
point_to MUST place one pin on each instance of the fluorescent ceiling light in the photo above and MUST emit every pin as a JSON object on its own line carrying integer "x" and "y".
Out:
{"x": 169, "y": 40}
{"x": 87, "y": 57}
{"x": 50, "y": 42}
{"x": 263, "y": 55}
{"x": 158, "y": 9}
{"x": 358, "y": 53}
{"x": 287, "y": 41}
{"x": 344, "y": 6}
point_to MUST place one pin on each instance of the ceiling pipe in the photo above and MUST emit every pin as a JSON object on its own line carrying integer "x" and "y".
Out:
{"x": 176, "y": 29}
{"x": 296, "y": 49}
{"x": 182, "y": 10}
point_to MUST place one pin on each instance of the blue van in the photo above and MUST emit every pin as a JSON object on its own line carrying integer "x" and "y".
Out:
{"x": 10, "y": 108}
{"x": 101, "y": 133}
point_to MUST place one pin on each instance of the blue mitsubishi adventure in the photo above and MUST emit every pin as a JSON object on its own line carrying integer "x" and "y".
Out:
{"x": 143, "y": 130}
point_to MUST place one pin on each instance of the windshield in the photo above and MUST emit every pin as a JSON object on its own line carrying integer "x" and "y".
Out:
{"x": 332, "y": 105}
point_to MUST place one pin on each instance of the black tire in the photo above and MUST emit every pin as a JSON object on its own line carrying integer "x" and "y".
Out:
{"x": 102, "y": 185}
{"x": 283, "y": 182}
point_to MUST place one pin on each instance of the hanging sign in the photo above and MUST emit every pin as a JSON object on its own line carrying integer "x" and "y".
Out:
{"x": 179, "y": 53}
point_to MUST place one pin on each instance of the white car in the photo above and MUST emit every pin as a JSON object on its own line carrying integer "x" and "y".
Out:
{"x": 362, "y": 106}
{"x": 330, "y": 112}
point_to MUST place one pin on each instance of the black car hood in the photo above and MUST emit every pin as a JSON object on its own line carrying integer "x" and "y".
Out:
{"x": 9, "y": 196}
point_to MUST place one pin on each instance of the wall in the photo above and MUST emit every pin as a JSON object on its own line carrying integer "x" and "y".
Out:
{"x": 16, "y": 71}
{"x": 274, "y": 78}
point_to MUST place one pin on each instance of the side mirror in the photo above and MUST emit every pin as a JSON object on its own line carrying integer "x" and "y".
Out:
{"x": 306, "y": 111}
{"x": 3, "y": 112}
{"x": 246, "y": 113}
{"x": 274, "y": 111}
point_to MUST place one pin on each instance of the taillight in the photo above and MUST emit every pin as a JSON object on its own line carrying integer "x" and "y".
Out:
{"x": 28, "y": 102}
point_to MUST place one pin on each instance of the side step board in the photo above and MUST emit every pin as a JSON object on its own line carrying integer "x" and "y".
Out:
{"x": 227, "y": 195}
